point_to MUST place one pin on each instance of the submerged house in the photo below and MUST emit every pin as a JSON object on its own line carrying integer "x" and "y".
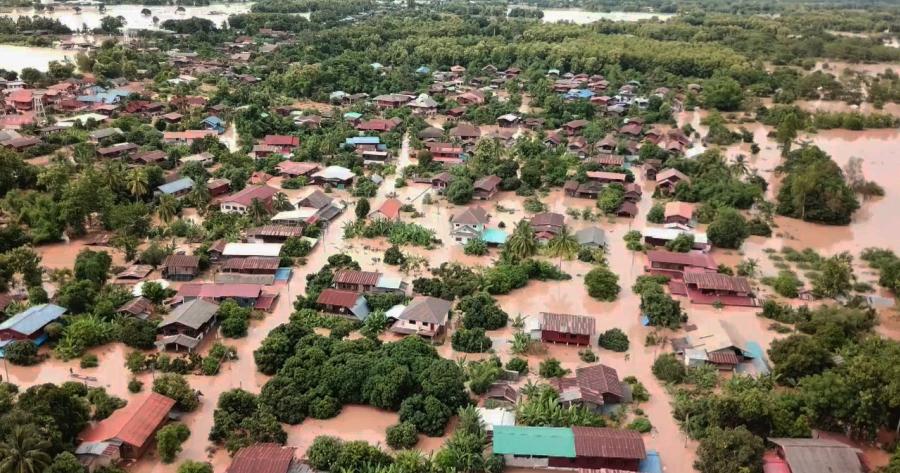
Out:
{"x": 181, "y": 267}
{"x": 812, "y": 456}
{"x": 344, "y": 303}
{"x": 266, "y": 458}
{"x": 187, "y": 324}
{"x": 425, "y": 316}
{"x": 29, "y": 324}
{"x": 569, "y": 447}
{"x": 566, "y": 328}
{"x": 717, "y": 343}
{"x": 596, "y": 387}
{"x": 127, "y": 433}
{"x": 469, "y": 224}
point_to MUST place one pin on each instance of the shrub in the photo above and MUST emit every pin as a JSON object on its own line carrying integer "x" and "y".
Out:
{"x": 135, "y": 385}
{"x": 89, "y": 361}
{"x": 393, "y": 256}
{"x": 176, "y": 387}
{"x": 669, "y": 369}
{"x": 640, "y": 424}
{"x": 191, "y": 466}
{"x": 587, "y": 355}
{"x": 470, "y": 340}
{"x": 402, "y": 436}
{"x": 475, "y": 247}
{"x": 552, "y": 368}
{"x": 22, "y": 353}
{"x": 323, "y": 452}
{"x": 613, "y": 339}
{"x": 428, "y": 414}
{"x": 519, "y": 365}
{"x": 657, "y": 214}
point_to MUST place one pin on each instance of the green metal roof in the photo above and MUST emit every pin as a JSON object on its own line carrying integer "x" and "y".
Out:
{"x": 534, "y": 441}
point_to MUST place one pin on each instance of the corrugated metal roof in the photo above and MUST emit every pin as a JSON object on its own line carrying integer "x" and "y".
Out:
{"x": 365, "y": 278}
{"x": 558, "y": 442}
{"x": 568, "y": 323}
{"x": 819, "y": 455}
{"x": 717, "y": 281}
{"x": 251, "y": 263}
{"x": 252, "y": 249}
{"x": 600, "y": 442}
{"x": 427, "y": 309}
{"x": 133, "y": 424}
{"x": 693, "y": 258}
{"x": 218, "y": 291}
{"x": 262, "y": 458}
{"x": 33, "y": 318}
{"x": 192, "y": 314}
{"x": 339, "y": 298}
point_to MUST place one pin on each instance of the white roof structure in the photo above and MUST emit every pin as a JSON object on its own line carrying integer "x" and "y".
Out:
{"x": 300, "y": 214}
{"x": 387, "y": 282}
{"x": 498, "y": 416}
{"x": 394, "y": 312}
{"x": 335, "y": 172}
{"x": 83, "y": 118}
{"x": 672, "y": 233}
{"x": 252, "y": 249}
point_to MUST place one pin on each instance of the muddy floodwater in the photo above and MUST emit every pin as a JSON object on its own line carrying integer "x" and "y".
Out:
{"x": 91, "y": 16}
{"x": 876, "y": 224}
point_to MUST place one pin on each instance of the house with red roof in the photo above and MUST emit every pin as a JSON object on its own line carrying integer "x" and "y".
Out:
{"x": 129, "y": 431}
{"x": 595, "y": 387}
{"x": 389, "y": 210}
{"x": 283, "y": 144}
{"x": 187, "y": 136}
{"x": 343, "y": 303}
{"x": 241, "y": 201}
{"x": 486, "y": 187}
{"x": 292, "y": 169}
{"x": 266, "y": 458}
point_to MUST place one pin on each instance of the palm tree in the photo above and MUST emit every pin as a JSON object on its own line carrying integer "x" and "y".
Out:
{"x": 257, "y": 211}
{"x": 23, "y": 451}
{"x": 167, "y": 208}
{"x": 521, "y": 243}
{"x": 740, "y": 168}
{"x": 281, "y": 202}
{"x": 137, "y": 183}
{"x": 563, "y": 245}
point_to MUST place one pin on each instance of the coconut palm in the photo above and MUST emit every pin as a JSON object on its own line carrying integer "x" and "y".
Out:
{"x": 521, "y": 243}
{"x": 137, "y": 183}
{"x": 167, "y": 208}
{"x": 257, "y": 211}
{"x": 740, "y": 167}
{"x": 24, "y": 451}
{"x": 281, "y": 202}
{"x": 563, "y": 245}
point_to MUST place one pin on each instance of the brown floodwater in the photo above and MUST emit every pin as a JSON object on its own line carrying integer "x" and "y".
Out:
{"x": 872, "y": 226}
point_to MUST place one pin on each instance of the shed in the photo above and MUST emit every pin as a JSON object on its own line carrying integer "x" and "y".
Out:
{"x": 567, "y": 328}
{"x": 133, "y": 425}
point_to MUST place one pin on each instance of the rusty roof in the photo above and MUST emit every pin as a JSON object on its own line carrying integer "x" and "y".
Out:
{"x": 548, "y": 219}
{"x": 692, "y": 258}
{"x": 262, "y": 458}
{"x": 365, "y": 278}
{"x": 487, "y": 183}
{"x": 338, "y": 297}
{"x": 181, "y": 261}
{"x": 819, "y": 455}
{"x": 599, "y": 379}
{"x": 390, "y": 209}
{"x": 251, "y": 263}
{"x": 133, "y": 424}
{"x": 679, "y": 209}
{"x": 599, "y": 442}
{"x": 285, "y": 231}
{"x": 246, "y": 196}
{"x": 568, "y": 323}
{"x": 717, "y": 281}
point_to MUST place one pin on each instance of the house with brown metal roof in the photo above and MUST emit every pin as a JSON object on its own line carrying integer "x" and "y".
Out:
{"x": 674, "y": 264}
{"x": 486, "y": 187}
{"x": 446, "y": 153}
{"x": 813, "y": 456}
{"x": 192, "y": 319}
{"x": 251, "y": 265}
{"x": 273, "y": 233}
{"x": 241, "y": 201}
{"x": 681, "y": 213}
{"x": 181, "y": 267}
{"x": 710, "y": 287}
{"x": 139, "y": 307}
{"x": 130, "y": 431}
{"x": 668, "y": 179}
{"x": 566, "y": 328}
{"x": 569, "y": 448}
{"x": 265, "y": 458}
{"x": 343, "y": 303}
{"x": 425, "y": 316}
{"x": 546, "y": 225}
{"x": 574, "y": 127}
{"x": 595, "y": 387}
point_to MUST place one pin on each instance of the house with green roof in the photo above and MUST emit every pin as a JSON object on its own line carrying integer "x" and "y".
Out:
{"x": 569, "y": 447}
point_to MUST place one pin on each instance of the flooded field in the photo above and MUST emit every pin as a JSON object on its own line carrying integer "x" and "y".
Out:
{"x": 90, "y": 16}
{"x": 16, "y": 58}
{"x": 581, "y": 16}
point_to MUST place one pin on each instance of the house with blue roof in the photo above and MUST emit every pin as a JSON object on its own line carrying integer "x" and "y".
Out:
{"x": 29, "y": 324}
{"x": 352, "y": 116}
{"x": 102, "y": 96}
{"x": 214, "y": 123}
{"x": 177, "y": 189}
{"x": 579, "y": 94}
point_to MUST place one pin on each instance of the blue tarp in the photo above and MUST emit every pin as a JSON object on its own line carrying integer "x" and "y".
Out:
{"x": 579, "y": 94}
{"x": 423, "y": 70}
{"x": 283, "y": 274}
{"x": 645, "y": 321}
{"x": 362, "y": 140}
{"x": 651, "y": 464}
{"x": 758, "y": 360}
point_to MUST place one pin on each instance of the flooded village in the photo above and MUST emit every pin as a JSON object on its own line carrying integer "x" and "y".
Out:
{"x": 291, "y": 236}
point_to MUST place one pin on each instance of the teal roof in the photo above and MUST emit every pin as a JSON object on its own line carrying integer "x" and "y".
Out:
{"x": 494, "y": 235}
{"x": 556, "y": 442}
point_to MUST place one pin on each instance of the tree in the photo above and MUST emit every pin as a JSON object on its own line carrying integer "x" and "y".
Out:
{"x": 660, "y": 308}
{"x": 834, "y": 278}
{"x": 257, "y": 211}
{"x": 521, "y": 244}
{"x": 402, "y": 436}
{"x": 167, "y": 208}
{"x": 814, "y": 189}
{"x": 610, "y": 198}
{"x": 169, "y": 440}
{"x": 137, "y": 183}
{"x": 602, "y": 283}
{"x": 323, "y": 452}
{"x": 480, "y": 310}
{"x": 728, "y": 229}
{"x": 475, "y": 247}
{"x": 657, "y": 214}
{"x": 234, "y": 319}
{"x": 22, "y": 353}
{"x": 613, "y": 339}
{"x": 394, "y": 256}
{"x": 722, "y": 93}
{"x": 669, "y": 369}
{"x": 362, "y": 208}
{"x": 460, "y": 191}
{"x": 92, "y": 266}
{"x": 24, "y": 451}
{"x": 427, "y": 413}
{"x": 563, "y": 244}
{"x": 176, "y": 387}
{"x": 798, "y": 356}
{"x": 470, "y": 340}
{"x": 65, "y": 462}
{"x": 551, "y": 368}
{"x": 730, "y": 451}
